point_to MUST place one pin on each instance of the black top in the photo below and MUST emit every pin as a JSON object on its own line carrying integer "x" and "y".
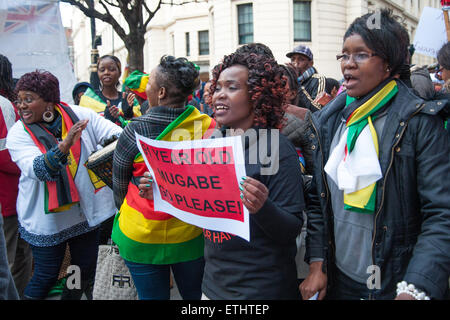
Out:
{"x": 263, "y": 268}
{"x": 127, "y": 110}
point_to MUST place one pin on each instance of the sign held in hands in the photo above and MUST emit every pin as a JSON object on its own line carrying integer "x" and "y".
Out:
{"x": 197, "y": 181}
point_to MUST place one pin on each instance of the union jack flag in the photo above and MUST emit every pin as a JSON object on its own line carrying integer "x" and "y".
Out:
{"x": 38, "y": 19}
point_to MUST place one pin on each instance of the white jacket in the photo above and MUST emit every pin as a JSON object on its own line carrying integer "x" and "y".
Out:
{"x": 93, "y": 208}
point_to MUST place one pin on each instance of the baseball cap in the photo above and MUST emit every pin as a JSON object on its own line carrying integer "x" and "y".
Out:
{"x": 301, "y": 49}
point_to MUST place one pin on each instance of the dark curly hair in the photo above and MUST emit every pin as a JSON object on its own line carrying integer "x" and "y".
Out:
{"x": 6, "y": 79}
{"x": 256, "y": 47}
{"x": 42, "y": 82}
{"x": 267, "y": 86}
{"x": 179, "y": 76}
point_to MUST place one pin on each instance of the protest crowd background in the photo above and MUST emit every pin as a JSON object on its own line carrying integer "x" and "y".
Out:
{"x": 349, "y": 199}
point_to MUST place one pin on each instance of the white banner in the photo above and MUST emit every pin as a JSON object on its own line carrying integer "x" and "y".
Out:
{"x": 32, "y": 37}
{"x": 197, "y": 181}
{"x": 430, "y": 33}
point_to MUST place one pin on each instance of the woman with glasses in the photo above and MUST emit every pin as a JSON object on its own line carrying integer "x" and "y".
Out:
{"x": 379, "y": 226}
{"x": 57, "y": 203}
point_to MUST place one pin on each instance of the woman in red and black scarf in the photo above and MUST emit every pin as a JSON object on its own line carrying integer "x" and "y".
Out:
{"x": 57, "y": 202}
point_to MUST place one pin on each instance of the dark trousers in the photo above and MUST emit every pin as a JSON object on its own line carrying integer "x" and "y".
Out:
{"x": 152, "y": 280}
{"x": 48, "y": 260}
{"x": 345, "y": 288}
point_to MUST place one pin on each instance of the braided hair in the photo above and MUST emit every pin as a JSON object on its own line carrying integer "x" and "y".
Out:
{"x": 6, "y": 79}
{"x": 179, "y": 76}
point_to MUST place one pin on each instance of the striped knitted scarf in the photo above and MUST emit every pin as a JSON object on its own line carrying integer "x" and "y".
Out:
{"x": 61, "y": 194}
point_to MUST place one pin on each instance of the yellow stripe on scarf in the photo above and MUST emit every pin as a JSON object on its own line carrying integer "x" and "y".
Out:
{"x": 192, "y": 128}
{"x": 362, "y": 111}
{"x": 73, "y": 165}
{"x": 91, "y": 103}
{"x": 135, "y": 226}
{"x": 360, "y": 198}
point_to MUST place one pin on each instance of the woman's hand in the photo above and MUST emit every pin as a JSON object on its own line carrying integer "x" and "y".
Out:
{"x": 316, "y": 281}
{"x": 72, "y": 136}
{"x": 145, "y": 186}
{"x": 113, "y": 110}
{"x": 253, "y": 194}
{"x": 130, "y": 99}
{"x": 404, "y": 296}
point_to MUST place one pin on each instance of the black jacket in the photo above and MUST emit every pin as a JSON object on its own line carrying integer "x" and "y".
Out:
{"x": 263, "y": 268}
{"x": 411, "y": 238}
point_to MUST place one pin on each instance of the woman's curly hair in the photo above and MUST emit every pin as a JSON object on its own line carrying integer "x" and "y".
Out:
{"x": 267, "y": 86}
{"x": 45, "y": 84}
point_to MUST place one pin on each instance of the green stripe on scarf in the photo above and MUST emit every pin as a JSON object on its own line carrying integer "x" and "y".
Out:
{"x": 163, "y": 253}
{"x": 356, "y": 123}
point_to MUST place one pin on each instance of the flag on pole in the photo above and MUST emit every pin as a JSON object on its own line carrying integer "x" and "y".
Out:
{"x": 32, "y": 37}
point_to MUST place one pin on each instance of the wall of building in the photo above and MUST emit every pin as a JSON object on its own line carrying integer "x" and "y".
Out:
{"x": 272, "y": 24}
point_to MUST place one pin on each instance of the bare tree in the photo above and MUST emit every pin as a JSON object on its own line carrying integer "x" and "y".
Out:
{"x": 137, "y": 14}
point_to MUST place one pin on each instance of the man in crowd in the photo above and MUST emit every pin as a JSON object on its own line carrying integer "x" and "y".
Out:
{"x": 312, "y": 85}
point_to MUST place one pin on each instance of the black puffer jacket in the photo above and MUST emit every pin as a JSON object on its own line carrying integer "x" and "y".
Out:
{"x": 411, "y": 237}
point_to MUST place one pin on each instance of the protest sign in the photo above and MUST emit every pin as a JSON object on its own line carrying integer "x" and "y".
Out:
{"x": 430, "y": 34}
{"x": 197, "y": 181}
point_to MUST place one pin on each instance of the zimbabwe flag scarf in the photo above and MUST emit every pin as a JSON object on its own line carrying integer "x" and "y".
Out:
{"x": 61, "y": 194}
{"x": 353, "y": 163}
{"x": 144, "y": 235}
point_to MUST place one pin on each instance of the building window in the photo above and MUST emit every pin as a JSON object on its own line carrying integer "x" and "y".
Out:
{"x": 203, "y": 42}
{"x": 302, "y": 20}
{"x": 188, "y": 44}
{"x": 245, "y": 23}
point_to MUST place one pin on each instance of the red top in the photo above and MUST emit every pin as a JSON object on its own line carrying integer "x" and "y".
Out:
{"x": 9, "y": 172}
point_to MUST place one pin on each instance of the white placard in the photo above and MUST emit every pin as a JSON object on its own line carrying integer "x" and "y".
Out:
{"x": 430, "y": 34}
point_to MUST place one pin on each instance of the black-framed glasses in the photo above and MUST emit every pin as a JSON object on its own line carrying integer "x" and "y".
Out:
{"x": 359, "y": 57}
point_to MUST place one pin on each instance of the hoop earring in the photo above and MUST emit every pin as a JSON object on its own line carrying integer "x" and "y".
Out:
{"x": 48, "y": 116}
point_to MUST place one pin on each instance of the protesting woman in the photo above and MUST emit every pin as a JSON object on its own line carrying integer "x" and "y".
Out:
{"x": 57, "y": 203}
{"x": 247, "y": 96}
{"x": 109, "y": 101}
{"x": 153, "y": 242}
{"x": 382, "y": 170}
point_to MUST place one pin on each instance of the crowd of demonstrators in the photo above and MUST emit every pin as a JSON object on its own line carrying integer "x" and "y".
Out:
{"x": 362, "y": 181}
{"x": 151, "y": 242}
{"x": 312, "y": 85}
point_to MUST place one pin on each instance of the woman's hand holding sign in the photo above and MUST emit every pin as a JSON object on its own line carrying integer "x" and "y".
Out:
{"x": 145, "y": 186}
{"x": 253, "y": 194}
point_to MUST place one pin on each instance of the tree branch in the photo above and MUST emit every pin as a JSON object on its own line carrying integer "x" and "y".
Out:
{"x": 151, "y": 14}
{"x": 183, "y": 2}
{"x": 111, "y": 4}
{"x": 92, "y": 13}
